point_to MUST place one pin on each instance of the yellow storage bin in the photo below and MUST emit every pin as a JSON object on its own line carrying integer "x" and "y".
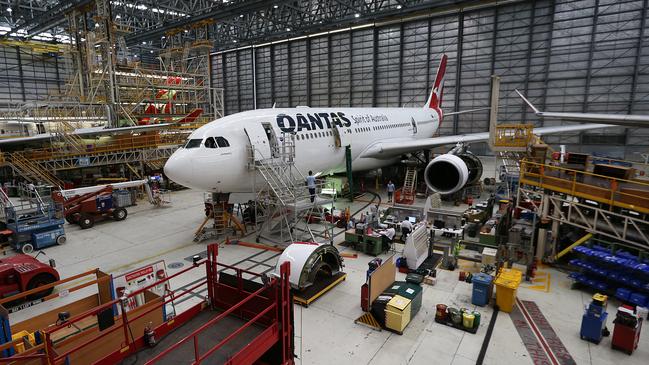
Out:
{"x": 397, "y": 313}
{"x": 507, "y": 283}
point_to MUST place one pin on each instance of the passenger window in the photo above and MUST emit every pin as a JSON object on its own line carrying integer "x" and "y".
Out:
{"x": 210, "y": 143}
{"x": 222, "y": 142}
{"x": 193, "y": 143}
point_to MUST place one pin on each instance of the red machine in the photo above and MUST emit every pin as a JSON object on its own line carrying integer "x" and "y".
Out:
{"x": 22, "y": 272}
{"x": 626, "y": 332}
{"x": 86, "y": 209}
{"x": 242, "y": 321}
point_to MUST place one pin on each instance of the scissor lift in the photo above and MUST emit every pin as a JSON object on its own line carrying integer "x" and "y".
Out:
{"x": 31, "y": 223}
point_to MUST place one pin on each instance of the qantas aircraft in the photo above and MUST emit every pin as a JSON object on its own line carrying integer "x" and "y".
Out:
{"x": 216, "y": 156}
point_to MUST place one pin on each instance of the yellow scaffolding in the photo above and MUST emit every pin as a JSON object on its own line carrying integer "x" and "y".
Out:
{"x": 517, "y": 136}
{"x": 627, "y": 194}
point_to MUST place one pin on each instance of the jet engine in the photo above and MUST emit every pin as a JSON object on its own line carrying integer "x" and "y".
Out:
{"x": 448, "y": 173}
{"x": 310, "y": 262}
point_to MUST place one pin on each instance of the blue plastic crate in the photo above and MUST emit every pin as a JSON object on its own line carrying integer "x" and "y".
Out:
{"x": 623, "y": 294}
{"x": 638, "y": 299}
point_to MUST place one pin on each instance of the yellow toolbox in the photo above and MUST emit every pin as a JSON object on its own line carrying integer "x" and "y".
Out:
{"x": 397, "y": 313}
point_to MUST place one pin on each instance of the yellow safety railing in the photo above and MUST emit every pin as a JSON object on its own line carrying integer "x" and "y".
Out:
{"x": 513, "y": 135}
{"x": 628, "y": 194}
{"x": 120, "y": 143}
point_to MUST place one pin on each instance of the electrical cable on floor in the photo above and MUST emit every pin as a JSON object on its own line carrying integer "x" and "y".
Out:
{"x": 487, "y": 337}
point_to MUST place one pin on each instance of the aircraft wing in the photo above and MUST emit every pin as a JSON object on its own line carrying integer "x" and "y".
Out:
{"x": 616, "y": 119}
{"x": 98, "y": 131}
{"x": 390, "y": 148}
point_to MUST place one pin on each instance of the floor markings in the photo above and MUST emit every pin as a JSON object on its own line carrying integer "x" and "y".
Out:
{"x": 541, "y": 282}
{"x": 539, "y": 338}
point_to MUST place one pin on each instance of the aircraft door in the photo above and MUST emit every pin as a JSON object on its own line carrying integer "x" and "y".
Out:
{"x": 341, "y": 137}
{"x": 259, "y": 141}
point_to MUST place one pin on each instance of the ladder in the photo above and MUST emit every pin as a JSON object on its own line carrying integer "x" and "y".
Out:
{"x": 409, "y": 186}
{"x": 218, "y": 226}
{"x": 222, "y": 220}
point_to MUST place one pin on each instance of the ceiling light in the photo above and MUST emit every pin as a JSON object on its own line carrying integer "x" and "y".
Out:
{"x": 288, "y": 29}
{"x": 234, "y": 41}
{"x": 96, "y": 25}
{"x": 241, "y": 16}
{"x": 357, "y": 15}
{"x": 275, "y": 6}
{"x": 9, "y": 10}
{"x": 118, "y": 16}
{"x": 399, "y": 6}
{"x": 151, "y": 51}
{"x": 143, "y": 42}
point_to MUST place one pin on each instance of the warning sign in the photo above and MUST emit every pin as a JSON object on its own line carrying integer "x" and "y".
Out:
{"x": 137, "y": 279}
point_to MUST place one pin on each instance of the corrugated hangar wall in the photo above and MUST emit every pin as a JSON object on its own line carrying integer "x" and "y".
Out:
{"x": 29, "y": 76}
{"x": 578, "y": 56}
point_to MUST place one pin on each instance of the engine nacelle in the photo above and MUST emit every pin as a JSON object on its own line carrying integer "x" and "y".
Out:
{"x": 450, "y": 172}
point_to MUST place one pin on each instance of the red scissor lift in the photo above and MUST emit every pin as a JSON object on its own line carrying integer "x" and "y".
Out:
{"x": 242, "y": 321}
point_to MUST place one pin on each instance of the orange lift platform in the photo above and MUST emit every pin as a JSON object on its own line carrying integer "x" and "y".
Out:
{"x": 246, "y": 318}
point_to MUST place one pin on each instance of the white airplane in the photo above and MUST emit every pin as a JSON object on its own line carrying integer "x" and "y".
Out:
{"x": 216, "y": 156}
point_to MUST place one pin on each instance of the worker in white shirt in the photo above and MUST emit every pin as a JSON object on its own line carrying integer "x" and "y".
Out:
{"x": 387, "y": 235}
{"x": 310, "y": 183}
{"x": 406, "y": 228}
{"x": 390, "y": 188}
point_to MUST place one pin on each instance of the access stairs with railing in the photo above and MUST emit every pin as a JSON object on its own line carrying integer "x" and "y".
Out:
{"x": 31, "y": 171}
{"x": 286, "y": 195}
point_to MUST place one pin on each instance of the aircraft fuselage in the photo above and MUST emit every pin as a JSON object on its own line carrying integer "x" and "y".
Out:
{"x": 221, "y": 164}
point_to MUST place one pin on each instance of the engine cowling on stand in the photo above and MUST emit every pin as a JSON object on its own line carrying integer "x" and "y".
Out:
{"x": 450, "y": 172}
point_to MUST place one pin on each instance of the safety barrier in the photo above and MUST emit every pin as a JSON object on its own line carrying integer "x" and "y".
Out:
{"x": 513, "y": 135}
{"x": 621, "y": 193}
{"x": 267, "y": 305}
{"x": 120, "y": 143}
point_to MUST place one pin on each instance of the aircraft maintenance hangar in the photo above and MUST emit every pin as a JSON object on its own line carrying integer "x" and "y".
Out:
{"x": 324, "y": 182}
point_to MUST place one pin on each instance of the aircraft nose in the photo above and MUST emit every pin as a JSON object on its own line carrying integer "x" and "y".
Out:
{"x": 179, "y": 169}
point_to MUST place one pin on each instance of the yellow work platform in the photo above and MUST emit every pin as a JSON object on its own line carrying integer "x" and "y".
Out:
{"x": 628, "y": 194}
{"x": 315, "y": 291}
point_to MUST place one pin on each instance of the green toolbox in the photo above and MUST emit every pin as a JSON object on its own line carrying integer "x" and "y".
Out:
{"x": 407, "y": 290}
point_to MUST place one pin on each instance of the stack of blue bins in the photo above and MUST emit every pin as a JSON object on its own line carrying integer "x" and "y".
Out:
{"x": 482, "y": 289}
{"x": 620, "y": 273}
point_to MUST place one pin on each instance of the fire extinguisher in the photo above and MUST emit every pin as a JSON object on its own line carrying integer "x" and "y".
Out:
{"x": 149, "y": 335}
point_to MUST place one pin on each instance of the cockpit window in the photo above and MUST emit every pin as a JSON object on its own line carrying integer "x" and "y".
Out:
{"x": 210, "y": 143}
{"x": 193, "y": 143}
{"x": 222, "y": 142}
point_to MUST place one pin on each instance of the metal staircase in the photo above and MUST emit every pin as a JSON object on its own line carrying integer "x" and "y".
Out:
{"x": 285, "y": 199}
{"x": 65, "y": 133}
{"x": 32, "y": 171}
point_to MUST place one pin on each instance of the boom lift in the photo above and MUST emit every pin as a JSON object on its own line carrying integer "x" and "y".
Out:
{"x": 86, "y": 209}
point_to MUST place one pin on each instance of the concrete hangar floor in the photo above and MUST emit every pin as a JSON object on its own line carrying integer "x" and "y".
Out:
{"x": 325, "y": 332}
